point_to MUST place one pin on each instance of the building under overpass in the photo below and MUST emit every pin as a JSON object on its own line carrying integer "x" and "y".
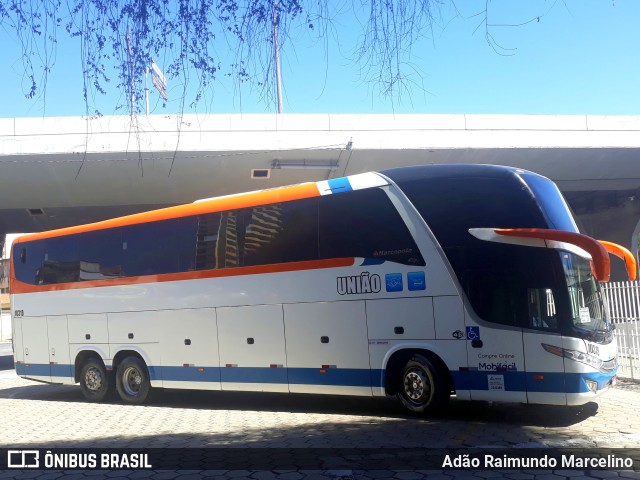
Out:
{"x": 57, "y": 172}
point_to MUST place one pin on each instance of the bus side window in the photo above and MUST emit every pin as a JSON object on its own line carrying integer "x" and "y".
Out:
{"x": 281, "y": 233}
{"x": 493, "y": 296}
{"x": 206, "y": 230}
{"x": 364, "y": 223}
{"x": 31, "y": 260}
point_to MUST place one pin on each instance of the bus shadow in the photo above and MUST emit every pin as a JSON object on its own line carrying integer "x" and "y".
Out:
{"x": 508, "y": 414}
{"x": 522, "y": 415}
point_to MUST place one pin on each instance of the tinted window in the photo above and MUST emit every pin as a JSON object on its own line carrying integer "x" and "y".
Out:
{"x": 281, "y": 233}
{"x": 508, "y": 284}
{"x": 207, "y": 232}
{"x": 81, "y": 257}
{"x": 553, "y": 205}
{"x": 513, "y": 285}
{"x": 364, "y": 223}
{"x": 353, "y": 224}
{"x": 100, "y": 254}
{"x": 230, "y": 244}
{"x": 159, "y": 247}
{"x": 27, "y": 261}
{"x": 60, "y": 262}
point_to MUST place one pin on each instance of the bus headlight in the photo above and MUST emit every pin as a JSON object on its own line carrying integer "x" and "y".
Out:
{"x": 581, "y": 357}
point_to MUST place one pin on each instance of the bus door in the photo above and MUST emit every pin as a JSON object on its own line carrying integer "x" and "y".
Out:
{"x": 59, "y": 361}
{"x": 35, "y": 348}
{"x": 252, "y": 348}
{"x": 327, "y": 348}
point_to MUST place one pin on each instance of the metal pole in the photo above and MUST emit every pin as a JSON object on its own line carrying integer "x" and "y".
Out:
{"x": 277, "y": 57}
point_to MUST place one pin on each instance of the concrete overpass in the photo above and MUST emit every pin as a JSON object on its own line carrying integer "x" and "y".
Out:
{"x": 57, "y": 172}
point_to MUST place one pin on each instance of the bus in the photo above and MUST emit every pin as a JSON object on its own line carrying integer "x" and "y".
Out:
{"x": 419, "y": 283}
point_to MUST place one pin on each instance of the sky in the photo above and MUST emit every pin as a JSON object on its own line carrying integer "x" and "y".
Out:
{"x": 579, "y": 57}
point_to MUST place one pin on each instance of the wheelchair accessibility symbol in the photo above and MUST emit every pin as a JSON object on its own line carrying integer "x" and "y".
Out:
{"x": 473, "y": 333}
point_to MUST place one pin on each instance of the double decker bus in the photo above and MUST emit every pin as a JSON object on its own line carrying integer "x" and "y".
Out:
{"x": 417, "y": 282}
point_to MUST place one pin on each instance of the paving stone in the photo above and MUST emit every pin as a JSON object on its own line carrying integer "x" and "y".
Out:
{"x": 408, "y": 475}
{"x": 290, "y": 476}
{"x": 140, "y": 474}
{"x": 266, "y": 475}
{"x": 629, "y": 474}
{"x": 238, "y": 473}
{"x": 436, "y": 475}
{"x": 376, "y": 473}
{"x": 50, "y": 475}
{"x": 164, "y": 475}
{"x": 550, "y": 476}
{"x": 487, "y": 474}
{"x": 338, "y": 473}
{"x": 53, "y": 416}
{"x": 603, "y": 474}
{"x": 71, "y": 476}
{"x": 317, "y": 476}
{"x": 583, "y": 477}
{"x": 27, "y": 474}
{"x": 568, "y": 473}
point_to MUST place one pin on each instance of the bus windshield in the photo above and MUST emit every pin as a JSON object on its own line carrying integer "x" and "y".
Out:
{"x": 588, "y": 310}
{"x": 534, "y": 288}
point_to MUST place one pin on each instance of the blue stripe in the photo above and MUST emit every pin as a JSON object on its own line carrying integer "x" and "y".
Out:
{"x": 37, "y": 369}
{"x": 475, "y": 380}
{"x": 354, "y": 377}
{"x": 185, "y": 374}
{"x": 526, "y": 381}
{"x": 372, "y": 261}
{"x": 339, "y": 185}
{"x": 62, "y": 370}
{"x": 254, "y": 375}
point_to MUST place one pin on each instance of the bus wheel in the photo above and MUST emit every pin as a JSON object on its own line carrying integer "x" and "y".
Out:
{"x": 422, "y": 387}
{"x": 132, "y": 380}
{"x": 95, "y": 382}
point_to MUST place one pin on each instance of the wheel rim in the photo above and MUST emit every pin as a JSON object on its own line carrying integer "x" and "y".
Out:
{"x": 93, "y": 379}
{"x": 416, "y": 386}
{"x": 132, "y": 381}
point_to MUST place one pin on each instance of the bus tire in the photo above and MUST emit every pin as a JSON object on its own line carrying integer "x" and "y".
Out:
{"x": 132, "y": 380}
{"x": 95, "y": 381}
{"x": 423, "y": 388}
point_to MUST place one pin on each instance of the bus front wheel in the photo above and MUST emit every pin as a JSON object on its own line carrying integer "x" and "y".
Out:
{"x": 132, "y": 380}
{"x": 95, "y": 381}
{"x": 423, "y": 388}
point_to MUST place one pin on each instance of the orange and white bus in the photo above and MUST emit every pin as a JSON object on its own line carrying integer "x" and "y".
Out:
{"x": 417, "y": 282}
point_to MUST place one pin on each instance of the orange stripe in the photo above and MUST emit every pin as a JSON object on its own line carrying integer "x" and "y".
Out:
{"x": 243, "y": 200}
{"x": 624, "y": 254}
{"x": 21, "y": 287}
